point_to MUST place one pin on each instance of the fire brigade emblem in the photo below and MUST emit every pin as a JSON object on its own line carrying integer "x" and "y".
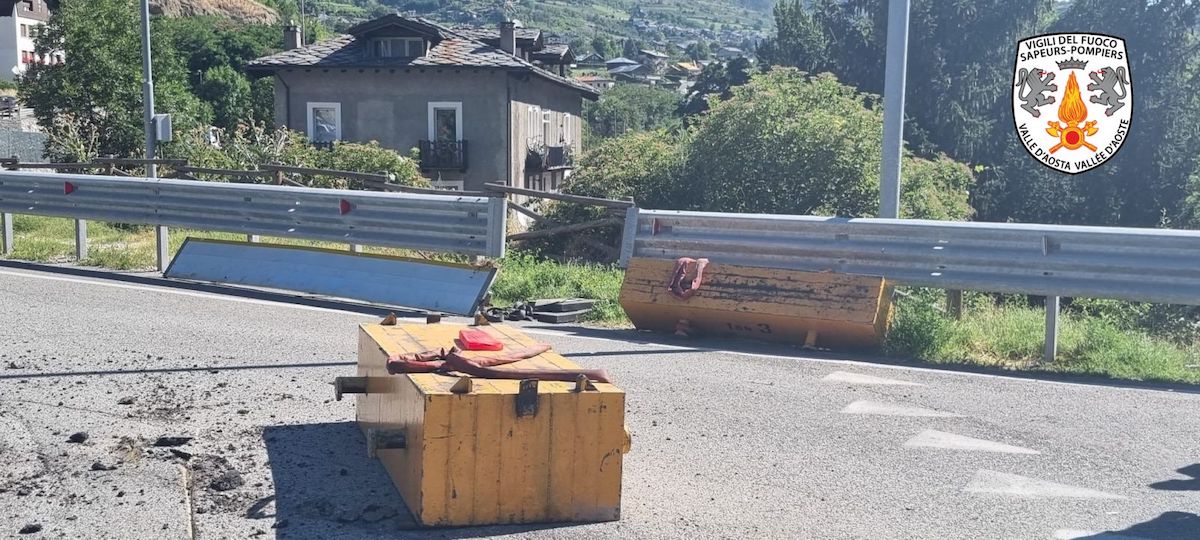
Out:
{"x": 1072, "y": 99}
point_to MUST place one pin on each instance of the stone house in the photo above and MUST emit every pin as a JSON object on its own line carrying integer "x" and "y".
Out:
{"x": 472, "y": 101}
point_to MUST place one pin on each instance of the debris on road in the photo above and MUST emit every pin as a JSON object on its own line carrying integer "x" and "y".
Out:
{"x": 100, "y": 466}
{"x": 172, "y": 441}
{"x": 78, "y": 437}
{"x": 31, "y": 528}
{"x": 127, "y": 400}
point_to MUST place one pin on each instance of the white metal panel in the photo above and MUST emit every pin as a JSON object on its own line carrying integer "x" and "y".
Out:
{"x": 391, "y": 281}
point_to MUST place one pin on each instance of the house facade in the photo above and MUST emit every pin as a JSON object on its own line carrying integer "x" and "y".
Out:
{"x": 476, "y": 112}
{"x": 20, "y": 22}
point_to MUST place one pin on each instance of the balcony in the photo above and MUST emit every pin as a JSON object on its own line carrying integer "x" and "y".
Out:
{"x": 443, "y": 155}
{"x": 559, "y": 157}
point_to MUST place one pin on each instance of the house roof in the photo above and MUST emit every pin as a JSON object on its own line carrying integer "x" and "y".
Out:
{"x": 487, "y": 34}
{"x": 592, "y": 78}
{"x": 626, "y": 69}
{"x": 652, "y": 53}
{"x": 592, "y": 57}
{"x": 553, "y": 53}
{"x": 621, "y": 60}
{"x": 448, "y": 48}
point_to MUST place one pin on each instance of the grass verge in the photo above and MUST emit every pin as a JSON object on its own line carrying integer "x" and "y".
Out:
{"x": 1012, "y": 336}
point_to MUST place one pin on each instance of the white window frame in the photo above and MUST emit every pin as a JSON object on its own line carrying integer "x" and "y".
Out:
{"x": 389, "y": 43}
{"x": 567, "y": 131}
{"x": 533, "y": 124}
{"x": 337, "y": 108}
{"x": 458, "y": 121}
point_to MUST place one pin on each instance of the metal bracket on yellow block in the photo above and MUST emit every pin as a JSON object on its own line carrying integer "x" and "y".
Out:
{"x": 349, "y": 385}
{"x": 527, "y": 398}
{"x": 385, "y": 439}
{"x": 462, "y": 386}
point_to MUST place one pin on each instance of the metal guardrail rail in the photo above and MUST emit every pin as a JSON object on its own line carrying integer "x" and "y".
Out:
{"x": 453, "y": 224}
{"x": 1150, "y": 265}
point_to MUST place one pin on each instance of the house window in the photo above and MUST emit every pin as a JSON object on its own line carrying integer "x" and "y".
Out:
{"x": 399, "y": 47}
{"x": 445, "y": 121}
{"x": 324, "y": 122}
{"x": 24, "y": 30}
{"x": 546, "y": 135}
{"x": 568, "y": 128}
{"x": 533, "y": 126}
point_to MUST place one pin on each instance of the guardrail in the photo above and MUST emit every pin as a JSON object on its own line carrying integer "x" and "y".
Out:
{"x": 454, "y": 224}
{"x": 1147, "y": 265}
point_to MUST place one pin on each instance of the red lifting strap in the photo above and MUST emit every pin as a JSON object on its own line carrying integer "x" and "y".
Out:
{"x": 676, "y": 285}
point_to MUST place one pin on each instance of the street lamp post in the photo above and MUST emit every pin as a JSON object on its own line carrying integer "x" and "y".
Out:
{"x": 160, "y": 232}
{"x": 893, "y": 108}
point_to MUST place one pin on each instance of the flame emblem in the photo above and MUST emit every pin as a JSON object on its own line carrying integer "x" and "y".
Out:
{"x": 1071, "y": 113}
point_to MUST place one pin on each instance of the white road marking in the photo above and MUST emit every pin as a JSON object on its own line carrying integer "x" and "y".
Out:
{"x": 858, "y": 378}
{"x": 999, "y": 483}
{"x": 932, "y": 438}
{"x": 892, "y": 409}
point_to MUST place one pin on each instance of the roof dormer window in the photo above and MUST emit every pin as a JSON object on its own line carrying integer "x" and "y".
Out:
{"x": 399, "y": 47}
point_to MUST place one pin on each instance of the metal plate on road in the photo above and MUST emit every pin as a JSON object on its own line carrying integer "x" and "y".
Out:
{"x": 392, "y": 281}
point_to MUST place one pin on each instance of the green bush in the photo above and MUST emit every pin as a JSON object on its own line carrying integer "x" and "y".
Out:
{"x": 524, "y": 277}
{"x": 249, "y": 146}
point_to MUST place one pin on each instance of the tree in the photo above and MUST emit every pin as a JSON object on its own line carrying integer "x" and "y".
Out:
{"x": 632, "y": 107}
{"x": 718, "y": 79}
{"x": 100, "y": 84}
{"x": 630, "y": 48}
{"x": 229, "y": 94}
{"x": 698, "y": 50}
{"x": 793, "y": 144}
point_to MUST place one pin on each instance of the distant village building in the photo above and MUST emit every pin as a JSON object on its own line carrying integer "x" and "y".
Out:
{"x": 619, "y": 62}
{"x": 730, "y": 53}
{"x": 471, "y": 100}
{"x": 20, "y": 22}
{"x": 595, "y": 81}
{"x": 590, "y": 60}
{"x": 654, "y": 59}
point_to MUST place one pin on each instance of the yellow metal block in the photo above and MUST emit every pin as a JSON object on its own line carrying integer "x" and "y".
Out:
{"x": 469, "y": 459}
{"x": 805, "y": 308}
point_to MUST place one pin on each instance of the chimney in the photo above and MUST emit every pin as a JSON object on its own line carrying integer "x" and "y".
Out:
{"x": 292, "y": 38}
{"x": 508, "y": 37}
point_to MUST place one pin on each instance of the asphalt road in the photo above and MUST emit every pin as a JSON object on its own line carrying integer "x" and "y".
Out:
{"x": 726, "y": 443}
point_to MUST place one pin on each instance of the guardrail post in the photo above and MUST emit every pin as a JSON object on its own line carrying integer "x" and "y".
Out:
{"x": 1051, "y": 329}
{"x": 162, "y": 246}
{"x": 81, "y": 243}
{"x": 497, "y": 226}
{"x": 6, "y": 223}
{"x": 252, "y": 238}
{"x": 954, "y": 303}
{"x": 356, "y": 248}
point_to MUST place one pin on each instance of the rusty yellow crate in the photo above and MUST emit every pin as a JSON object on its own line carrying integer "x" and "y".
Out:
{"x": 469, "y": 459}
{"x": 811, "y": 308}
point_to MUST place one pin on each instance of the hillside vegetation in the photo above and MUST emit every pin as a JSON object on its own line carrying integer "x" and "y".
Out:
{"x": 238, "y": 10}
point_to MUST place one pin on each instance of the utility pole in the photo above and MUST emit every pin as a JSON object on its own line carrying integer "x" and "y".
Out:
{"x": 895, "y": 72}
{"x": 148, "y": 89}
{"x": 162, "y": 242}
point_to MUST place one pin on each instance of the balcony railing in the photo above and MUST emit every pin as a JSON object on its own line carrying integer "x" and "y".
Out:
{"x": 443, "y": 155}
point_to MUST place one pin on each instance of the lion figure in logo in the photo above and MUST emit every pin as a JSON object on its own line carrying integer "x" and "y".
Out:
{"x": 1033, "y": 85}
{"x": 1107, "y": 80}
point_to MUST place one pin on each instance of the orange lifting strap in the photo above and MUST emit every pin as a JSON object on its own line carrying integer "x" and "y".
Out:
{"x": 676, "y": 285}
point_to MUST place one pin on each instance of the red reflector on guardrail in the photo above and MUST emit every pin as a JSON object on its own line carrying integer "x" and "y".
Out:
{"x": 68, "y": 188}
{"x": 346, "y": 207}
